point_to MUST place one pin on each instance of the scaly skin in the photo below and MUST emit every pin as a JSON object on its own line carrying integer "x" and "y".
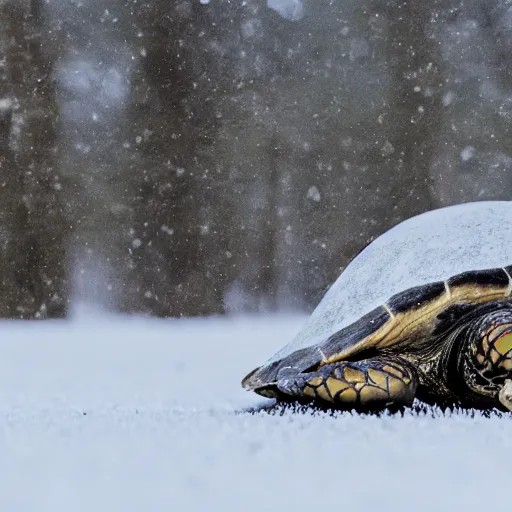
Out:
{"x": 369, "y": 383}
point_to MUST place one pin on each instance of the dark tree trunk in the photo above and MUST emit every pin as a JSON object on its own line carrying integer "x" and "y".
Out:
{"x": 413, "y": 113}
{"x": 33, "y": 217}
{"x": 172, "y": 122}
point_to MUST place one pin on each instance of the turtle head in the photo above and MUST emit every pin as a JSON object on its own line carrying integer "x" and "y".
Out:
{"x": 263, "y": 380}
{"x": 487, "y": 362}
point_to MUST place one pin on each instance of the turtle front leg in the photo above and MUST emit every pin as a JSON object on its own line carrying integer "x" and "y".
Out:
{"x": 371, "y": 383}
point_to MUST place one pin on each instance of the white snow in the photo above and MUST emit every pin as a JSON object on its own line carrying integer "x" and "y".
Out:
{"x": 467, "y": 153}
{"x": 5, "y": 104}
{"x": 290, "y": 9}
{"x": 314, "y": 194}
{"x": 111, "y": 414}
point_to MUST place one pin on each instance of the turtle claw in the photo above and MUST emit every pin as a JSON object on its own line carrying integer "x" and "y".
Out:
{"x": 505, "y": 395}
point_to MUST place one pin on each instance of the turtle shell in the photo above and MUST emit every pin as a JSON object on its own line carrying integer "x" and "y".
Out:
{"x": 416, "y": 264}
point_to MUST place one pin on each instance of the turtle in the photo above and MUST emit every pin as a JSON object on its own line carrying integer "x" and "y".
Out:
{"x": 422, "y": 312}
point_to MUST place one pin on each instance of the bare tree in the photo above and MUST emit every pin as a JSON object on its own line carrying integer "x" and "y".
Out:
{"x": 413, "y": 112}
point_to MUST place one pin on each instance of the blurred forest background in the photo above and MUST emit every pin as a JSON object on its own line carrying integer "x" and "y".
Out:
{"x": 191, "y": 157}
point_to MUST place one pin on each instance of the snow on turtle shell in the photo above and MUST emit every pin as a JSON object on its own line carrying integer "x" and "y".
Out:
{"x": 426, "y": 248}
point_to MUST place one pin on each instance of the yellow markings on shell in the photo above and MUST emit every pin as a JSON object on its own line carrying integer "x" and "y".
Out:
{"x": 379, "y": 378}
{"x": 447, "y": 289}
{"x": 480, "y": 359}
{"x": 388, "y": 309}
{"x": 408, "y": 323}
{"x": 336, "y": 386}
{"x": 371, "y": 393}
{"x": 353, "y": 375}
{"x": 503, "y": 344}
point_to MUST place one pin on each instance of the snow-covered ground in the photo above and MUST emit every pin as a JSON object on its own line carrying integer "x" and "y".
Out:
{"x": 130, "y": 414}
